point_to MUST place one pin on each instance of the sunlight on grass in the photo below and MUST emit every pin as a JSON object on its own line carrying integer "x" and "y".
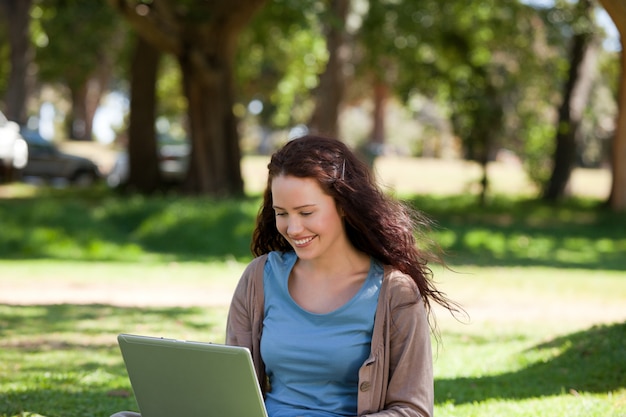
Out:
{"x": 508, "y": 360}
{"x": 543, "y": 286}
{"x": 526, "y": 376}
{"x": 67, "y": 363}
{"x": 569, "y": 405}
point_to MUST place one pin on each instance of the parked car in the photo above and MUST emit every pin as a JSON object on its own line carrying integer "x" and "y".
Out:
{"x": 46, "y": 162}
{"x": 13, "y": 149}
{"x": 173, "y": 162}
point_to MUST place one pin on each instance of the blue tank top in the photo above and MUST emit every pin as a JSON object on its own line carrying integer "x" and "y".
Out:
{"x": 312, "y": 360}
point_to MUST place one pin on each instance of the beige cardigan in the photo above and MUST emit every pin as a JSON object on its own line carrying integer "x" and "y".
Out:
{"x": 397, "y": 377}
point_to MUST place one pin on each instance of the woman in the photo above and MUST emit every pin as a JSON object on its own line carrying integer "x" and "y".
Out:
{"x": 335, "y": 306}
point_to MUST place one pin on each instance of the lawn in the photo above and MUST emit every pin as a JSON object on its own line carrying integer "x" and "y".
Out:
{"x": 544, "y": 288}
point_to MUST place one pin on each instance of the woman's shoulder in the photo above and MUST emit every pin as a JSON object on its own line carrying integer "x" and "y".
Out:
{"x": 400, "y": 287}
{"x": 274, "y": 261}
{"x": 251, "y": 273}
{"x": 255, "y": 264}
{"x": 280, "y": 262}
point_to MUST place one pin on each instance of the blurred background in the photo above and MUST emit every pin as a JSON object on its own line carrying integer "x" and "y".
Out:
{"x": 173, "y": 94}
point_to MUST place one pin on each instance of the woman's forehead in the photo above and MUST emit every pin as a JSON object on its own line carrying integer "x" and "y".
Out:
{"x": 287, "y": 189}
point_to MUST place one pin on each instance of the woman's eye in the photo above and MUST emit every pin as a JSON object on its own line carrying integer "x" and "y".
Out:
{"x": 306, "y": 213}
{"x": 280, "y": 214}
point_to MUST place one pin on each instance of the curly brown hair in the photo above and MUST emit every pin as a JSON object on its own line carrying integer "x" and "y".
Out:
{"x": 376, "y": 224}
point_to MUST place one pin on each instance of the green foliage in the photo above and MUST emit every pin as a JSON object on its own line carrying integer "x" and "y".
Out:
{"x": 609, "y": 67}
{"x": 484, "y": 63}
{"x": 538, "y": 150}
{"x": 280, "y": 57}
{"x": 73, "y": 31}
{"x": 171, "y": 101}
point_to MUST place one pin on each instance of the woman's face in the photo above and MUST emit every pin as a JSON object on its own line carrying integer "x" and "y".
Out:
{"x": 307, "y": 217}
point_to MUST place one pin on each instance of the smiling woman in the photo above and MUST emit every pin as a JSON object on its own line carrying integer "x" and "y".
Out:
{"x": 338, "y": 259}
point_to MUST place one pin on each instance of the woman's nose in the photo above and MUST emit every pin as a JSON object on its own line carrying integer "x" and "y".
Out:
{"x": 294, "y": 226}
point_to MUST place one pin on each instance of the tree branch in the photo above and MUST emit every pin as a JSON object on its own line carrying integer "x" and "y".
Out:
{"x": 157, "y": 24}
{"x": 617, "y": 10}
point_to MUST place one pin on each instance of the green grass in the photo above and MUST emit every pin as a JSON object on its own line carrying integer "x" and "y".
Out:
{"x": 509, "y": 231}
{"x": 62, "y": 360}
{"x": 99, "y": 226}
{"x": 544, "y": 286}
{"x": 512, "y": 374}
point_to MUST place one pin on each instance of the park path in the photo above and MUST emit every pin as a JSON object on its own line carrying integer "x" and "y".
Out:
{"x": 128, "y": 294}
{"x": 173, "y": 294}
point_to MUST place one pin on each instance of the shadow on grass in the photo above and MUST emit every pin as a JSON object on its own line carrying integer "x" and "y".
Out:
{"x": 59, "y": 402}
{"x": 85, "y": 369}
{"x": 115, "y": 228}
{"x": 593, "y": 360}
{"x": 576, "y": 233}
{"x": 63, "y": 360}
{"x": 108, "y": 227}
{"x": 92, "y": 320}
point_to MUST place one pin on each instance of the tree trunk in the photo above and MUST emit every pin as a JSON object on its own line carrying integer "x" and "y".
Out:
{"x": 381, "y": 93}
{"x": 488, "y": 120}
{"x": 143, "y": 159}
{"x": 214, "y": 167}
{"x": 330, "y": 90}
{"x": 97, "y": 84}
{"x": 76, "y": 122}
{"x": 203, "y": 38}
{"x": 85, "y": 101}
{"x": 376, "y": 143}
{"x": 18, "y": 17}
{"x": 575, "y": 96}
{"x": 617, "y": 200}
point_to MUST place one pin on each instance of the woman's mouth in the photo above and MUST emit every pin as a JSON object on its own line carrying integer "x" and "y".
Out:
{"x": 303, "y": 242}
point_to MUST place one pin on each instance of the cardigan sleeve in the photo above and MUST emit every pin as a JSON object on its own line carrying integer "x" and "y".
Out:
{"x": 245, "y": 315}
{"x": 402, "y": 381}
{"x": 411, "y": 381}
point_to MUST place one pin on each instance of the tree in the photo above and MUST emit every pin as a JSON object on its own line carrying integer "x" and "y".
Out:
{"x": 617, "y": 199}
{"x": 143, "y": 161}
{"x": 17, "y": 16}
{"x": 87, "y": 35}
{"x": 281, "y": 54}
{"x": 584, "y": 49}
{"x": 476, "y": 60}
{"x": 203, "y": 38}
{"x": 330, "y": 91}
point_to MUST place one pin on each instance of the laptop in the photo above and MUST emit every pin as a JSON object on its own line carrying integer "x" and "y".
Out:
{"x": 192, "y": 379}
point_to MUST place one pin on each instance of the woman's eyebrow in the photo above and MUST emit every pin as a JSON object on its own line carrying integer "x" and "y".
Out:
{"x": 295, "y": 208}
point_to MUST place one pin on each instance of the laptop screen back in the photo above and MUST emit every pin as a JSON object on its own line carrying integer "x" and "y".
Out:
{"x": 192, "y": 379}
